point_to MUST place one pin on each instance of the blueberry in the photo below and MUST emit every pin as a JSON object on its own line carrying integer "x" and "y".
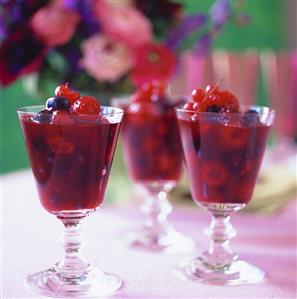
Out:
{"x": 44, "y": 116}
{"x": 250, "y": 117}
{"x": 252, "y": 111}
{"x": 212, "y": 108}
{"x": 57, "y": 103}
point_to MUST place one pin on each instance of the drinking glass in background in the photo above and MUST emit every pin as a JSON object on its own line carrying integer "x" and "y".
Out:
{"x": 153, "y": 156}
{"x": 223, "y": 153}
{"x": 71, "y": 160}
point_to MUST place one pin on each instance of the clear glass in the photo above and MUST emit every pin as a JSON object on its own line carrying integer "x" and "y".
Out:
{"x": 223, "y": 154}
{"x": 66, "y": 157}
{"x": 153, "y": 155}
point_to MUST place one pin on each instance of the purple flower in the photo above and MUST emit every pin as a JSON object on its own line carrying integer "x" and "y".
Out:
{"x": 14, "y": 14}
{"x": 89, "y": 24}
{"x": 203, "y": 46}
{"x": 193, "y": 22}
{"x": 71, "y": 4}
{"x": 220, "y": 12}
{"x": 188, "y": 25}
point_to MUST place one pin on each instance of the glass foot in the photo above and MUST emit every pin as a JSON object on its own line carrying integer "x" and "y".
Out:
{"x": 92, "y": 283}
{"x": 240, "y": 272}
{"x": 169, "y": 242}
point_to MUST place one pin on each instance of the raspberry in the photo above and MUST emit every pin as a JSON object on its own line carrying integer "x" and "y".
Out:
{"x": 85, "y": 105}
{"x": 214, "y": 173}
{"x": 230, "y": 102}
{"x": 236, "y": 137}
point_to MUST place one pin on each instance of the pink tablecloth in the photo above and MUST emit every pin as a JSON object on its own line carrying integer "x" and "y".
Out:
{"x": 29, "y": 237}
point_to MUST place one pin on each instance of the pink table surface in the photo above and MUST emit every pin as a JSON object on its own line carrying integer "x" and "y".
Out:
{"x": 29, "y": 244}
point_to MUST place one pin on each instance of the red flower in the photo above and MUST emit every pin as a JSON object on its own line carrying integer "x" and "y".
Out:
{"x": 153, "y": 62}
{"x": 20, "y": 54}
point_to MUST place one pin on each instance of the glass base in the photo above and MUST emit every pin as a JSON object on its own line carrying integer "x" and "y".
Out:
{"x": 240, "y": 272}
{"x": 93, "y": 283}
{"x": 169, "y": 242}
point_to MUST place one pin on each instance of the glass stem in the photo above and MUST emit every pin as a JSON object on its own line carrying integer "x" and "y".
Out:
{"x": 73, "y": 265}
{"x": 156, "y": 208}
{"x": 219, "y": 255}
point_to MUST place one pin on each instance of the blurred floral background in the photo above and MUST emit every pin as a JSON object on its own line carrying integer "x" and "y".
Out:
{"x": 109, "y": 47}
{"x": 105, "y": 46}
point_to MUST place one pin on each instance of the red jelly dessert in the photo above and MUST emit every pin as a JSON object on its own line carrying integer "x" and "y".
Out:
{"x": 151, "y": 141}
{"x": 70, "y": 143}
{"x": 223, "y": 146}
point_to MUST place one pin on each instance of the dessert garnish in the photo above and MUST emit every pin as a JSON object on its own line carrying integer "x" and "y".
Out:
{"x": 67, "y": 102}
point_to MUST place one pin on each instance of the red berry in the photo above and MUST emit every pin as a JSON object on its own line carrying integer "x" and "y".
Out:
{"x": 85, "y": 105}
{"x": 211, "y": 99}
{"x": 64, "y": 91}
{"x": 235, "y": 136}
{"x": 198, "y": 95}
{"x": 150, "y": 92}
{"x": 214, "y": 173}
{"x": 196, "y": 106}
{"x": 189, "y": 106}
{"x": 230, "y": 102}
{"x": 211, "y": 89}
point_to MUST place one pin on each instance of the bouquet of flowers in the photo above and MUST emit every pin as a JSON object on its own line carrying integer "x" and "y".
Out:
{"x": 103, "y": 45}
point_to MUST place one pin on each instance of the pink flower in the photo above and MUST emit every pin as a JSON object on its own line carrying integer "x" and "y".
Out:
{"x": 105, "y": 59}
{"x": 153, "y": 62}
{"x": 124, "y": 23}
{"x": 54, "y": 25}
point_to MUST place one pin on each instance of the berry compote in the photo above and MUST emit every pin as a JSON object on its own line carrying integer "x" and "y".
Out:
{"x": 152, "y": 147}
{"x": 70, "y": 143}
{"x": 153, "y": 154}
{"x": 223, "y": 145}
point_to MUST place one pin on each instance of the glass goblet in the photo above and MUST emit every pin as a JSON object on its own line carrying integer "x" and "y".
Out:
{"x": 153, "y": 155}
{"x": 71, "y": 160}
{"x": 223, "y": 153}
